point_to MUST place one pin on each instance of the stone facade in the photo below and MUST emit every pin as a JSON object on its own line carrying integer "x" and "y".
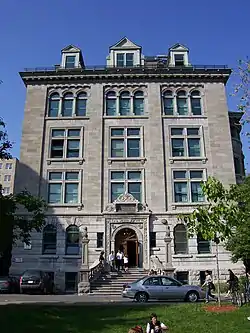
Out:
{"x": 156, "y": 213}
{"x": 8, "y": 175}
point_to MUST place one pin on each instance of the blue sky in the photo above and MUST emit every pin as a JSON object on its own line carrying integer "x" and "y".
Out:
{"x": 33, "y": 33}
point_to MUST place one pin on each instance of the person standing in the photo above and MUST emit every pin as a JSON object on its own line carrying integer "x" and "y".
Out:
{"x": 209, "y": 286}
{"x": 102, "y": 260}
{"x": 122, "y": 260}
{"x": 125, "y": 263}
{"x": 232, "y": 282}
{"x": 118, "y": 260}
{"x": 112, "y": 261}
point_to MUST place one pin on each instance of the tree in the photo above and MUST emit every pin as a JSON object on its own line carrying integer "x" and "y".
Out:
{"x": 20, "y": 214}
{"x": 216, "y": 220}
{"x": 242, "y": 89}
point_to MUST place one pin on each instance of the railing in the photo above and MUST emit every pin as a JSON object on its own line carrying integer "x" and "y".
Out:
{"x": 95, "y": 270}
{"x": 58, "y": 68}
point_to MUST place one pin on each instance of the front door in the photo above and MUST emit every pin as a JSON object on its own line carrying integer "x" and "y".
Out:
{"x": 132, "y": 252}
{"x": 127, "y": 242}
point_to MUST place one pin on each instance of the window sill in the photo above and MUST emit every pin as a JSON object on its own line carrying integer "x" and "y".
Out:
{"x": 155, "y": 249}
{"x": 72, "y": 256}
{"x": 184, "y": 116}
{"x": 78, "y": 206}
{"x": 99, "y": 249}
{"x": 126, "y": 117}
{"x": 190, "y": 159}
{"x": 67, "y": 118}
{"x": 126, "y": 159}
{"x": 188, "y": 204}
{"x": 180, "y": 256}
{"x": 61, "y": 160}
{"x": 206, "y": 255}
{"x": 49, "y": 256}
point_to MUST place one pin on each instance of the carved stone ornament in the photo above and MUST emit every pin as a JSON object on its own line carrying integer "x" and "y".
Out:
{"x": 85, "y": 233}
{"x": 164, "y": 221}
{"x": 167, "y": 231}
{"x": 126, "y": 198}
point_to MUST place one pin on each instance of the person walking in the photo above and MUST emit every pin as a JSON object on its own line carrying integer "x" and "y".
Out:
{"x": 112, "y": 261}
{"x": 232, "y": 282}
{"x": 102, "y": 260}
{"x": 125, "y": 263}
{"x": 118, "y": 260}
{"x": 209, "y": 287}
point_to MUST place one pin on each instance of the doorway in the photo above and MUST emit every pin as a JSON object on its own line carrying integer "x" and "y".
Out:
{"x": 126, "y": 240}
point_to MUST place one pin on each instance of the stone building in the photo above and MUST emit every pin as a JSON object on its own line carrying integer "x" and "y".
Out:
{"x": 8, "y": 174}
{"x": 122, "y": 149}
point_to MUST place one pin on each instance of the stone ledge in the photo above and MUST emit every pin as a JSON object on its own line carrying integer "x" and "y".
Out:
{"x": 49, "y": 256}
{"x": 208, "y": 255}
{"x": 155, "y": 249}
{"x": 70, "y": 256}
{"x": 180, "y": 256}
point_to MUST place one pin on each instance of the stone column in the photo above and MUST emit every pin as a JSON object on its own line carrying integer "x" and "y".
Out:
{"x": 84, "y": 284}
{"x": 168, "y": 255}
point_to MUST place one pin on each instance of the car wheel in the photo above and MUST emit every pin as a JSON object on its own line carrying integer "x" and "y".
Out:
{"x": 192, "y": 296}
{"x": 141, "y": 297}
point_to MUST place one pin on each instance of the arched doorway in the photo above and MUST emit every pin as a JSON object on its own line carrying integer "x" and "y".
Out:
{"x": 126, "y": 240}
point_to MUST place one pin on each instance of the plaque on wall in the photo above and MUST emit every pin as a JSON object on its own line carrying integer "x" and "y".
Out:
{"x": 126, "y": 208}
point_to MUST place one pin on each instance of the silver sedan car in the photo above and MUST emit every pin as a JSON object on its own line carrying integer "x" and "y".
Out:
{"x": 162, "y": 288}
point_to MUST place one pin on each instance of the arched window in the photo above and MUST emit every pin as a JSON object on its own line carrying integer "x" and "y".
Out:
{"x": 81, "y": 103}
{"x": 182, "y": 105}
{"x": 54, "y": 104}
{"x": 49, "y": 239}
{"x": 67, "y": 105}
{"x": 180, "y": 239}
{"x": 196, "y": 103}
{"x": 168, "y": 103}
{"x": 138, "y": 103}
{"x": 203, "y": 246}
{"x": 124, "y": 103}
{"x": 111, "y": 103}
{"x": 72, "y": 240}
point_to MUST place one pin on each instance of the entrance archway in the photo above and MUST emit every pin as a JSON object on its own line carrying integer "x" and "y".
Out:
{"x": 126, "y": 240}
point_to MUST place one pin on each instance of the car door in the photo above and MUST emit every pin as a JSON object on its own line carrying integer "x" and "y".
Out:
{"x": 153, "y": 287}
{"x": 171, "y": 289}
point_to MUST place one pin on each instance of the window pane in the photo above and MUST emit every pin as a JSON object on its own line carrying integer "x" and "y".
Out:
{"x": 117, "y": 132}
{"x": 99, "y": 239}
{"x": 133, "y": 131}
{"x": 81, "y": 107}
{"x": 168, "y": 106}
{"x": 180, "y": 239}
{"x": 120, "y": 59}
{"x": 133, "y": 148}
{"x": 197, "y": 174}
{"x": 138, "y": 106}
{"x": 71, "y": 193}
{"x": 135, "y": 190}
{"x": 179, "y": 59}
{"x": 178, "y": 147}
{"x": 57, "y": 148}
{"x": 72, "y": 175}
{"x": 180, "y": 174}
{"x": 196, "y": 192}
{"x": 203, "y": 246}
{"x": 55, "y": 193}
{"x": 67, "y": 109}
{"x": 70, "y": 62}
{"x": 124, "y": 106}
{"x": 111, "y": 107}
{"x": 180, "y": 192}
{"x": 182, "y": 107}
{"x": 176, "y": 131}
{"x": 74, "y": 132}
{"x": 129, "y": 59}
{"x": 117, "y": 148}
{"x": 196, "y": 106}
{"x": 194, "y": 147}
{"x": 116, "y": 190}
{"x": 55, "y": 176}
{"x": 71, "y": 281}
{"x": 168, "y": 93}
{"x": 135, "y": 175}
{"x": 53, "y": 108}
{"x": 193, "y": 131}
{"x": 138, "y": 94}
{"x": 117, "y": 175}
{"x": 73, "y": 148}
{"x": 56, "y": 133}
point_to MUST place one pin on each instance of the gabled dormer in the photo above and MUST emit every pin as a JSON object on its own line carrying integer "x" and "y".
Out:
{"x": 178, "y": 55}
{"x": 124, "y": 54}
{"x": 72, "y": 57}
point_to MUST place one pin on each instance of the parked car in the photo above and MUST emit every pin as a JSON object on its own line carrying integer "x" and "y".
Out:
{"x": 162, "y": 288}
{"x": 9, "y": 284}
{"x": 36, "y": 281}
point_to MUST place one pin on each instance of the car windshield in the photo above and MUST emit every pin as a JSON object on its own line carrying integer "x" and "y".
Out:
{"x": 31, "y": 273}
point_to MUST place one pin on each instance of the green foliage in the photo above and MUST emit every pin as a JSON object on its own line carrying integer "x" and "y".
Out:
{"x": 5, "y": 144}
{"x": 242, "y": 88}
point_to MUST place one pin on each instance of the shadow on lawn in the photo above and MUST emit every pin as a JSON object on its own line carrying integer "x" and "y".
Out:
{"x": 73, "y": 319}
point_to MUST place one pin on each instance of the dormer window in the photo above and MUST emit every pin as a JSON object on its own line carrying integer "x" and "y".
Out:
{"x": 125, "y": 59}
{"x": 70, "y": 61}
{"x": 179, "y": 60}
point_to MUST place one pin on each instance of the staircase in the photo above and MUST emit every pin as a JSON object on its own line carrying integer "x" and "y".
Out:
{"x": 111, "y": 284}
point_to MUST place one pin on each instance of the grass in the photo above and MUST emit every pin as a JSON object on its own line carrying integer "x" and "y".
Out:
{"x": 185, "y": 318}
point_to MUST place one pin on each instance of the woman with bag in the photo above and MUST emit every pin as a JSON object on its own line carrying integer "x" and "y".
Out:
{"x": 209, "y": 287}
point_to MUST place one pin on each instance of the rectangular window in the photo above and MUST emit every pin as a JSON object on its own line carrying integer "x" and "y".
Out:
{"x": 179, "y": 59}
{"x": 99, "y": 243}
{"x": 6, "y": 190}
{"x": 168, "y": 106}
{"x": 70, "y": 62}
{"x": 129, "y": 59}
{"x": 120, "y": 60}
{"x": 125, "y": 60}
{"x": 63, "y": 187}
{"x": 183, "y": 277}
{"x": 71, "y": 281}
{"x": 81, "y": 107}
{"x": 65, "y": 143}
{"x": 186, "y": 142}
{"x": 188, "y": 186}
{"x": 203, "y": 246}
{"x": 8, "y": 166}
{"x": 7, "y": 178}
{"x": 126, "y": 181}
{"x": 152, "y": 239}
{"x": 125, "y": 142}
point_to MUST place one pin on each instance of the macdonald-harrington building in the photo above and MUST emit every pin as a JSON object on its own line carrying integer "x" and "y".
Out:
{"x": 122, "y": 149}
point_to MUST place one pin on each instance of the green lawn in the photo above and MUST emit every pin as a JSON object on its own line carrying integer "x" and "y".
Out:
{"x": 185, "y": 318}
